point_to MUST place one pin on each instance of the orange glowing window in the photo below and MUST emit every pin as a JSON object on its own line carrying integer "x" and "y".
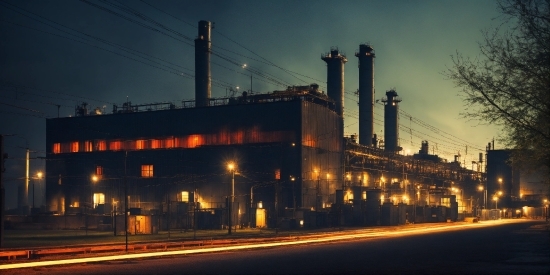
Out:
{"x": 155, "y": 144}
{"x": 115, "y": 145}
{"x": 169, "y": 143}
{"x": 56, "y": 148}
{"x": 194, "y": 141}
{"x": 277, "y": 174}
{"x": 87, "y": 146}
{"x": 101, "y": 145}
{"x": 140, "y": 144}
{"x": 74, "y": 147}
{"x": 99, "y": 170}
{"x": 147, "y": 171}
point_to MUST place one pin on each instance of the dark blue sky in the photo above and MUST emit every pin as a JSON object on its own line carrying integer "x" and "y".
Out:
{"x": 44, "y": 64}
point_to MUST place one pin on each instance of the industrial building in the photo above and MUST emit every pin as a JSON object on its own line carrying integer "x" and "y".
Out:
{"x": 277, "y": 159}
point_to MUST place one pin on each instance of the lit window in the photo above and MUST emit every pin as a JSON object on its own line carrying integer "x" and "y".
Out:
{"x": 74, "y": 147}
{"x": 169, "y": 143}
{"x": 115, "y": 145}
{"x": 147, "y": 171}
{"x": 278, "y": 174}
{"x": 56, "y": 148}
{"x": 185, "y": 196}
{"x": 99, "y": 170}
{"x": 140, "y": 144}
{"x": 99, "y": 198}
{"x": 155, "y": 144}
{"x": 364, "y": 195}
{"x": 101, "y": 145}
{"x": 87, "y": 146}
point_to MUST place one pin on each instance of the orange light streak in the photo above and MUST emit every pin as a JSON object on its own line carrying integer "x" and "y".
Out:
{"x": 331, "y": 238}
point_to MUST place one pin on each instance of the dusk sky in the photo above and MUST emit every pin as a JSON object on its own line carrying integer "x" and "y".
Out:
{"x": 66, "y": 52}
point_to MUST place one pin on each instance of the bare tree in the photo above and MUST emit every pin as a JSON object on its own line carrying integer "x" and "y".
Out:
{"x": 509, "y": 83}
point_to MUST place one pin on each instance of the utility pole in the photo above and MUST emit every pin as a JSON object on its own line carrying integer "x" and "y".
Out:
{"x": 26, "y": 190}
{"x": 276, "y": 206}
{"x": 125, "y": 201}
{"x": 2, "y": 192}
{"x": 231, "y": 167}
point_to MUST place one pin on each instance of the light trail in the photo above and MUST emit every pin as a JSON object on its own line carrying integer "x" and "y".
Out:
{"x": 344, "y": 237}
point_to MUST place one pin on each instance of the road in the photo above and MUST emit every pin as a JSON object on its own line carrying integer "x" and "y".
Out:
{"x": 506, "y": 248}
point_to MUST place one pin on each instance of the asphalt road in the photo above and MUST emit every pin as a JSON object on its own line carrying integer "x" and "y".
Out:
{"x": 516, "y": 248}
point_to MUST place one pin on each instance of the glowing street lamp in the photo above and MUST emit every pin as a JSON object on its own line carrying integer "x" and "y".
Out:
{"x": 495, "y": 198}
{"x": 481, "y": 189}
{"x": 38, "y": 177}
{"x": 546, "y": 208}
{"x": 231, "y": 168}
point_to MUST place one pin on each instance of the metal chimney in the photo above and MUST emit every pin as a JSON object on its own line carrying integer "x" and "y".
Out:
{"x": 203, "y": 78}
{"x": 391, "y": 121}
{"x": 366, "y": 94}
{"x": 335, "y": 77}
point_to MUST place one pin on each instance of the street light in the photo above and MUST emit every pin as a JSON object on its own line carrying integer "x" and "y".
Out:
{"x": 484, "y": 193}
{"x": 94, "y": 179}
{"x": 546, "y": 208}
{"x": 495, "y": 198}
{"x": 231, "y": 168}
{"x": 318, "y": 191}
{"x": 39, "y": 177}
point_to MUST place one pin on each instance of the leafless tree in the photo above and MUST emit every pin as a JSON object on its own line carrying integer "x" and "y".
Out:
{"x": 509, "y": 83}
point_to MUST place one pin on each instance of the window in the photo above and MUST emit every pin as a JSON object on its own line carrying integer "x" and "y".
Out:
{"x": 74, "y": 147}
{"x": 101, "y": 145}
{"x": 185, "y": 196}
{"x": 446, "y": 202}
{"x": 98, "y": 171}
{"x": 56, "y": 148}
{"x": 87, "y": 146}
{"x": 155, "y": 144}
{"x": 115, "y": 145}
{"x": 277, "y": 174}
{"x": 99, "y": 198}
{"x": 140, "y": 144}
{"x": 169, "y": 143}
{"x": 147, "y": 171}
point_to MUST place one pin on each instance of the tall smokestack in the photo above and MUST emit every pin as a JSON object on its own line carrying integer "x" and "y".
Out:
{"x": 366, "y": 94}
{"x": 391, "y": 121}
{"x": 335, "y": 77}
{"x": 203, "y": 78}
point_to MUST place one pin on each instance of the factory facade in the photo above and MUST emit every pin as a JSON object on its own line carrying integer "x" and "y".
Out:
{"x": 281, "y": 144}
{"x": 254, "y": 159}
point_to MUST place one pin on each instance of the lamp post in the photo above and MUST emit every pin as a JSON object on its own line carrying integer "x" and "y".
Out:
{"x": 38, "y": 177}
{"x": 293, "y": 179}
{"x": 495, "y": 198}
{"x": 546, "y": 208}
{"x": 484, "y": 193}
{"x": 318, "y": 191}
{"x": 94, "y": 179}
{"x": 231, "y": 168}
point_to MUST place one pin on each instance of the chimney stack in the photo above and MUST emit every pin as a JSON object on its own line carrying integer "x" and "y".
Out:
{"x": 366, "y": 94}
{"x": 335, "y": 77}
{"x": 203, "y": 78}
{"x": 391, "y": 121}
